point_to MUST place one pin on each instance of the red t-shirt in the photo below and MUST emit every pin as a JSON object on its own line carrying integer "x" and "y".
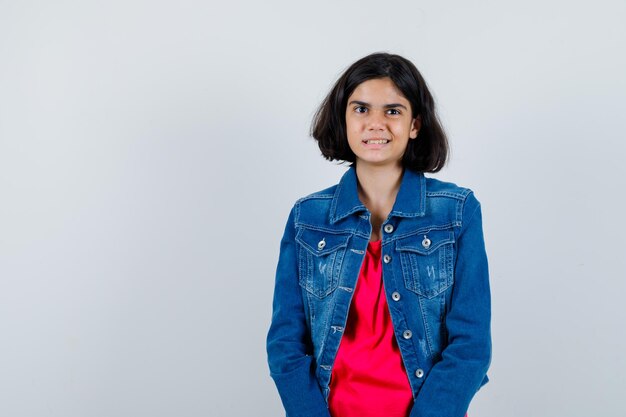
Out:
{"x": 368, "y": 377}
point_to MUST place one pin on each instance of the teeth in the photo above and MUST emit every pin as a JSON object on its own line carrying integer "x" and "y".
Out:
{"x": 377, "y": 142}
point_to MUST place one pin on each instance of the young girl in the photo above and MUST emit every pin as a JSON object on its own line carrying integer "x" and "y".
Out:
{"x": 381, "y": 301}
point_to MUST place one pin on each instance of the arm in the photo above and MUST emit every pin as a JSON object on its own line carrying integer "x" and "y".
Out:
{"x": 453, "y": 381}
{"x": 289, "y": 348}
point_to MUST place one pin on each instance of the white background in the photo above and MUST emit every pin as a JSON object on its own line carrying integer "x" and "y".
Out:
{"x": 150, "y": 152}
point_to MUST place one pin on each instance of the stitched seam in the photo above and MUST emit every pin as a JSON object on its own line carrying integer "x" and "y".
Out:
{"x": 297, "y": 217}
{"x": 325, "y": 229}
{"x": 315, "y": 196}
{"x": 445, "y": 194}
{"x": 396, "y": 305}
{"x": 469, "y": 218}
{"x": 424, "y": 230}
{"x": 333, "y": 204}
{"x": 404, "y": 214}
{"x": 426, "y": 328}
{"x": 428, "y": 252}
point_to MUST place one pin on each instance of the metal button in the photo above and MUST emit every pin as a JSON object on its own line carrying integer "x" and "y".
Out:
{"x": 321, "y": 244}
{"x": 388, "y": 228}
{"x": 407, "y": 334}
{"x": 386, "y": 259}
{"x": 426, "y": 242}
{"x": 395, "y": 296}
{"x": 419, "y": 373}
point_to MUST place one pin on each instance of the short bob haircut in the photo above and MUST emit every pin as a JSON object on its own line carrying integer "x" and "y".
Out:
{"x": 427, "y": 153}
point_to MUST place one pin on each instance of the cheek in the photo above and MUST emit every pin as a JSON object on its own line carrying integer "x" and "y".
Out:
{"x": 353, "y": 137}
{"x": 350, "y": 124}
{"x": 406, "y": 126}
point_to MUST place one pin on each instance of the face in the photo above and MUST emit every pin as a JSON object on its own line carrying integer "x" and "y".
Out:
{"x": 379, "y": 124}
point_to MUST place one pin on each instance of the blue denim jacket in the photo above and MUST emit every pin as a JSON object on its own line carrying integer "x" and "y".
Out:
{"x": 436, "y": 281}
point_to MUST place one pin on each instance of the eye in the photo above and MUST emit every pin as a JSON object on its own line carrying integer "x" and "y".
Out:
{"x": 393, "y": 112}
{"x": 360, "y": 109}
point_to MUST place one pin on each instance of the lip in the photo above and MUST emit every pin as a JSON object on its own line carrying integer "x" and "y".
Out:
{"x": 375, "y": 145}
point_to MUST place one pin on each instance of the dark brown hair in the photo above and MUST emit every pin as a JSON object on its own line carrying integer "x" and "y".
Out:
{"x": 427, "y": 153}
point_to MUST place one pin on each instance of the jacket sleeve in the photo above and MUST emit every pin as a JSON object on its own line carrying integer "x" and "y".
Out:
{"x": 452, "y": 382}
{"x": 289, "y": 347}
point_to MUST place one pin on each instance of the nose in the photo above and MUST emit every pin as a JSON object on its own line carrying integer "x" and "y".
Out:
{"x": 376, "y": 121}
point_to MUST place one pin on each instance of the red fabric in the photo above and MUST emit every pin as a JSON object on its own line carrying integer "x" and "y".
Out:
{"x": 368, "y": 378}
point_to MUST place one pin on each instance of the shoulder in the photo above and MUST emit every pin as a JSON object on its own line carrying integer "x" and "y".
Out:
{"x": 463, "y": 199}
{"x": 446, "y": 189}
{"x": 314, "y": 208}
{"x": 325, "y": 194}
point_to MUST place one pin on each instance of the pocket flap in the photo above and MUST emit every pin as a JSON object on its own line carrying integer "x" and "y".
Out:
{"x": 320, "y": 242}
{"x": 425, "y": 243}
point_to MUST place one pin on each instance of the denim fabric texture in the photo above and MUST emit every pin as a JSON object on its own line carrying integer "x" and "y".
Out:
{"x": 435, "y": 276}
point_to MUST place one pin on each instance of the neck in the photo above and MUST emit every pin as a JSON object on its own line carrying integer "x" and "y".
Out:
{"x": 378, "y": 186}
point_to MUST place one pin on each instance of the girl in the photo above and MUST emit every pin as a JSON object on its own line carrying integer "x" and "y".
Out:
{"x": 381, "y": 300}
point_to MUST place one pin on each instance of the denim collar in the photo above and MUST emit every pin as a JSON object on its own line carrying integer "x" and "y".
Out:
{"x": 410, "y": 201}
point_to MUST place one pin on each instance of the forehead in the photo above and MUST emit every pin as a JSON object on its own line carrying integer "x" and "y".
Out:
{"x": 378, "y": 90}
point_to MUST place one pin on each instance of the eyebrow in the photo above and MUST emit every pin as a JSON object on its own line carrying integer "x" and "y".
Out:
{"x": 387, "y": 106}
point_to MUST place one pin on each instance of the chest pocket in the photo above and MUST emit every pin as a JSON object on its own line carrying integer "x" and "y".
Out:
{"x": 320, "y": 255}
{"x": 427, "y": 262}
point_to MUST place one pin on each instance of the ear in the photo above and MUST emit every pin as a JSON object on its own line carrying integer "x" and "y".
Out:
{"x": 416, "y": 126}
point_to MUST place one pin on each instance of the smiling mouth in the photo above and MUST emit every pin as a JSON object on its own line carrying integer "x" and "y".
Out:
{"x": 376, "y": 141}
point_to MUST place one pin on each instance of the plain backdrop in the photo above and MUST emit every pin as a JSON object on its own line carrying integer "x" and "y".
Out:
{"x": 150, "y": 152}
